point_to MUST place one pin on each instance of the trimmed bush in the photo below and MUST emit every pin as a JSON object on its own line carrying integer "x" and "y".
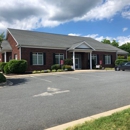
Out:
{"x": 55, "y": 67}
{"x": 68, "y": 62}
{"x": 67, "y": 67}
{"x": 128, "y": 58}
{"x": 34, "y": 72}
{"x": 121, "y": 57}
{"x": 48, "y": 70}
{"x": 2, "y": 78}
{"x": 120, "y": 61}
{"x": 53, "y": 70}
{"x": 2, "y": 64}
{"x": 17, "y": 66}
{"x": 59, "y": 70}
{"x": 6, "y": 69}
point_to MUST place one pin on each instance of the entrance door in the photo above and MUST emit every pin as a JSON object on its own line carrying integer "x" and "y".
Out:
{"x": 76, "y": 63}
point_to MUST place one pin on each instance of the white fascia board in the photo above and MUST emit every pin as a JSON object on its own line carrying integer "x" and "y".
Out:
{"x": 88, "y": 44}
{"x": 13, "y": 37}
{"x": 80, "y": 50}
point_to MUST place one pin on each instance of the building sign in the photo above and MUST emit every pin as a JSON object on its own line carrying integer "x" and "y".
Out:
{"x": 100, "y": 62}
{"x": 61, "y": 62}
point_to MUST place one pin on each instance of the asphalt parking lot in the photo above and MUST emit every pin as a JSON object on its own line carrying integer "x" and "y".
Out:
{"x": 37, "y": 102}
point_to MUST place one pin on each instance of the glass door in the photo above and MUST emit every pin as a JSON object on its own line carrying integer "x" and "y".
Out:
{"x": 76, "y": 63}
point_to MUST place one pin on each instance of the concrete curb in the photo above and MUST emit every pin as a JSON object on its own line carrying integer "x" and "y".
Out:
{"x": 81, "y": 121}
{"x": 45, "y": 74}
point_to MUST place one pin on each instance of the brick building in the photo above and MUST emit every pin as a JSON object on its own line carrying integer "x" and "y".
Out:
{"x": 41, "y": 50}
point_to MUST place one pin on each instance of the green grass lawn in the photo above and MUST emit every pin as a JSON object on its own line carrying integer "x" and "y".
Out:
{"x": 117, "y": 121}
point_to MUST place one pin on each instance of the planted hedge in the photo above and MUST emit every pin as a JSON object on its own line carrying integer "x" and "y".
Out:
{"x": 2, "y": 64}
{"x": 55, "y": 67}
{"x": 2, "y": 78}
{"x": 17, "y": 66}
{"x": 120, "y": 61}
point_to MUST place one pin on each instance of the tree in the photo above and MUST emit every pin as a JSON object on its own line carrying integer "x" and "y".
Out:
{"x": 115, "y": 43}
{"x": 1, "y": 38}
{"x": 125, "y": 47}
{"x": 106, "y": 41}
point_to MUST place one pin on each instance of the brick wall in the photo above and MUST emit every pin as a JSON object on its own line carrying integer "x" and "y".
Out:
{"x": 25, "y": 54}
{"x": 101, "y": 54}
{"x": 13, "y": 44}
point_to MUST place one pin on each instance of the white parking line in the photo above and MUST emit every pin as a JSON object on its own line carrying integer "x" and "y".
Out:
{"x": 66, "y": 76}
{"x": 41, "y": 79}
{"x": 90, "y": 75}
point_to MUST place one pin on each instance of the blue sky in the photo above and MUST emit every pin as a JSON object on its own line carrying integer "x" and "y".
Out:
{"x": 98, "y": 19}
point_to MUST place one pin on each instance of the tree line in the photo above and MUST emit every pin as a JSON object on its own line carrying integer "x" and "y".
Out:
{"x": 125, "y": 46}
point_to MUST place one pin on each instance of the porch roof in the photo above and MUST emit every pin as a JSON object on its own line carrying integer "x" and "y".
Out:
{"x": 5, "y": 46}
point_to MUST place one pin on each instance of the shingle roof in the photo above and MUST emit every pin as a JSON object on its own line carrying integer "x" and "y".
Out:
{"x": 6, "y": 46}
{"x": 41, "y": 39}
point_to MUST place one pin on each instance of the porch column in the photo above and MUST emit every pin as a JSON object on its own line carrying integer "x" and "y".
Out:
{"x": 74, "y": 60}
{"x": 5, "y": 57}
{"x": 90, "y": 60}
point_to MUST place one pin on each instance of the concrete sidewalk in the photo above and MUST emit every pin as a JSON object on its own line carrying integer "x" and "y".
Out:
{"x": 81, "y": 121}
{"x": 44, "y": 74}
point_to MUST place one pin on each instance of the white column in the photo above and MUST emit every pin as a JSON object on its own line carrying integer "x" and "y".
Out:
{"x": 5, "y": 57}
{"x": 73, "y": 60}
{"x": 90, "y": 60}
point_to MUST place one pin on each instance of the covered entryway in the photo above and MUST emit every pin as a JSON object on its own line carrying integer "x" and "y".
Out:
{"x": 80, "y": 47}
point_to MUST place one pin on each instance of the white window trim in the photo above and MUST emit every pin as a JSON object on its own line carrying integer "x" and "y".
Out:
{"x": 95, "y": 55}
{"x": 37, "y": 58}
{"x": 107, "y": 63}
{"x": 59, "y": 56}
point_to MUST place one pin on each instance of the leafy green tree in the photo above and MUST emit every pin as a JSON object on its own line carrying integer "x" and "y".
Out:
{"x": 115, "y": 43}
{"x": 1, "y": 38}
{"x": 125, "y": 47}
{"x": 106, "y": 41}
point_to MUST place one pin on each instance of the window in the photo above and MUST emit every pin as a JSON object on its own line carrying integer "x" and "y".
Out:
{"x": 58, "y": 58}
{"x": 107, "y": 59}
{"x": 94, "y": 57}
{"x": 37, "y": 58}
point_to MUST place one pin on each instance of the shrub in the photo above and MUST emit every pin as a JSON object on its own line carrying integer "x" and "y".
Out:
{"x": 6, "y": 69}
{"x": 17, "y": 66}
{"x": 34, "y": 72}
{"x": 2, "y": 64}
{"x": 68, "y": 62}
{"x": 2, "y": 78}
{"x": 128, "y": 58}
{"x": 121, "y": 57}
{"x": 53, "y": 70}
{"x": 55, "y": 67}
{"x": 59, "y": 70}
{"x": 48, "y": 70}
{"x": 67, "y": 67}
{"x": 119, "y": 61}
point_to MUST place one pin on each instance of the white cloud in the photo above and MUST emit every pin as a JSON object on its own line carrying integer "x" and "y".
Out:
{"x": 123, "y": 39}
{"x": 126, "y": 12}
{"x": 74, "y": 34}
{"x": 120, "y": 39}
{"x": 125, "y": 29}
{"x": 28, "y": 14}
{"x": 106, "y": 10}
